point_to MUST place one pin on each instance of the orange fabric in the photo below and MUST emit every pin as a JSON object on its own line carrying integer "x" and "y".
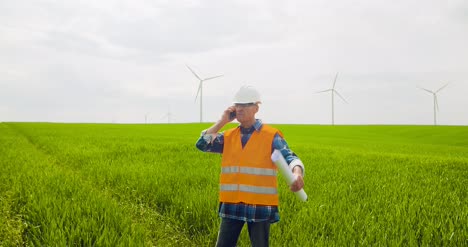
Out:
{"x": 255, "y": 155}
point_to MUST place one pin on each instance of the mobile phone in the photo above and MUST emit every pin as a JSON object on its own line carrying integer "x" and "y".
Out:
{"x": 232, "y": 115}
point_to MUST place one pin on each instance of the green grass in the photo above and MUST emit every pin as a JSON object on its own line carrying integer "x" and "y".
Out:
{"x": 111, "y": 185}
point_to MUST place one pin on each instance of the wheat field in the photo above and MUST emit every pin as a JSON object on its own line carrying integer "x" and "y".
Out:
{"x": 147, "y": 185}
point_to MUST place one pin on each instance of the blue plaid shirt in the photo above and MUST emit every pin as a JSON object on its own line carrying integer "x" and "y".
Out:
{"x": 241, "y": 211}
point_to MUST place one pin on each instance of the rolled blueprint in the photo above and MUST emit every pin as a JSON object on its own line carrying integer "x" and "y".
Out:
{"x": 280, "y": 162}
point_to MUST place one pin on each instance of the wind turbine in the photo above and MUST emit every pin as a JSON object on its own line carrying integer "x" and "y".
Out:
{"x": 200, "y": 89}
{"x": 434, "y": 95}
{"x": 146, "y": 118}
{"x": 168, "y": 115}
{"x": 333, "y": 91}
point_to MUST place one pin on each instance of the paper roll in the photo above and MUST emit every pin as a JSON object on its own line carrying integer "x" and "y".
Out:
{"x": 280, "y": 162}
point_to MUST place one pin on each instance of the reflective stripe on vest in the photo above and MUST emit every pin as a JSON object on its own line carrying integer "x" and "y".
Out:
{"x": 250, "y": 189}
{"x": 230, "y": 169}
{"x": 229, "y": 187}
{"x": 249, "y": 170}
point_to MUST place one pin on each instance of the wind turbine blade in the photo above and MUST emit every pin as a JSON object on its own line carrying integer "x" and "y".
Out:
{"x": 198, "y": 91}
{"x": 441, "y": 88}
{"x": 425, "y": 90}
{"x": 324, "y": 91}
{"x": 193, "y": 72}
{"x": 436, "y": 102}
{"x": 209, "y": 78}
{"x": 334, "y": 82}
{"x": 340, "y": 96}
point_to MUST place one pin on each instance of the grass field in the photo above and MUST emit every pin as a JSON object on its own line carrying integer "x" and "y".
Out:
{"x": 147, "y": 185}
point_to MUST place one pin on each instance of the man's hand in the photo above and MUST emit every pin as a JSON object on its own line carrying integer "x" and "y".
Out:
{"x": 225, "y": 118}
{"x": 299, "y": 182}
{"x": 221, "y": 122}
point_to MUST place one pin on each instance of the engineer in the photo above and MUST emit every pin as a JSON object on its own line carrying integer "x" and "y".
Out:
{"x": 248, "y": 181}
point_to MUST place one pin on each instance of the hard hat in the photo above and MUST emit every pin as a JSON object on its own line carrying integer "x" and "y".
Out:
{"x": 247, "y": 94}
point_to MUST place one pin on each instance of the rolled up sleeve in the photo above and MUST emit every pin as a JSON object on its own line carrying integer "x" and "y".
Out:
{"x": 291, "y": 158}
{"x": 213, "y": 143}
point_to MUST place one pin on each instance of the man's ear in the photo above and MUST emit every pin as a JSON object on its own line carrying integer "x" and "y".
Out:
{"x": 256, "y": 108}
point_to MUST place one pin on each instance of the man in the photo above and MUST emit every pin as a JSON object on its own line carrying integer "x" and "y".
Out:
{"x": 248, "y": 182}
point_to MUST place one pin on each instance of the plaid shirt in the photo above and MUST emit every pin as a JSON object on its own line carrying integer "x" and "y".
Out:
{"x": 248, "y": 212}
{"x": 241, "y": 211}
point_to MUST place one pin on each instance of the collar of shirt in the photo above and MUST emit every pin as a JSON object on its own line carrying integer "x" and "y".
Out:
{"x": 257, "y": 126}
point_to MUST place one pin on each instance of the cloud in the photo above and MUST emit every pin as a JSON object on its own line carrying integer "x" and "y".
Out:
{"x": 83, "y": 60}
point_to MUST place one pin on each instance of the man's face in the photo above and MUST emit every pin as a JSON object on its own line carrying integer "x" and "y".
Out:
{"x": 246, "y": 112}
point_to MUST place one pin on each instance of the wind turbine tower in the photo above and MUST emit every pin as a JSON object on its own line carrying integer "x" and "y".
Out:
{"x": 333, "y": 92}
{"x": 436, "y": 104}
{"x": 168, "y": 115}
{"x": 200, "y": 89}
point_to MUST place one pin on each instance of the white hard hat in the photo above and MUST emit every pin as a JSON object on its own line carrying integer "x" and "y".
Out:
{"x": 247, "y": 94}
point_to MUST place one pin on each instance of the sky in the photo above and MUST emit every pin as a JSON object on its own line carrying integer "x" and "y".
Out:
{"x": 125, "y": 61}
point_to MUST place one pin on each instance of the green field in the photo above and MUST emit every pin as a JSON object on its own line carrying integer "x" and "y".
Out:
{"x": 147, "y": 185}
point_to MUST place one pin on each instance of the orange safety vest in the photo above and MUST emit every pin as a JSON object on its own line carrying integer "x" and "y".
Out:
{"x": 248, "y": 175}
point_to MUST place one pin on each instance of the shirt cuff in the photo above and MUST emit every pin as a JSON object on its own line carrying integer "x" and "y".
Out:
{"x": 209, "y": 138}
{"x": 297, "y": 162}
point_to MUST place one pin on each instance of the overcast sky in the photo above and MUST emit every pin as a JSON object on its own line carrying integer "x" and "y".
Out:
{"x": 119, "y": 61}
